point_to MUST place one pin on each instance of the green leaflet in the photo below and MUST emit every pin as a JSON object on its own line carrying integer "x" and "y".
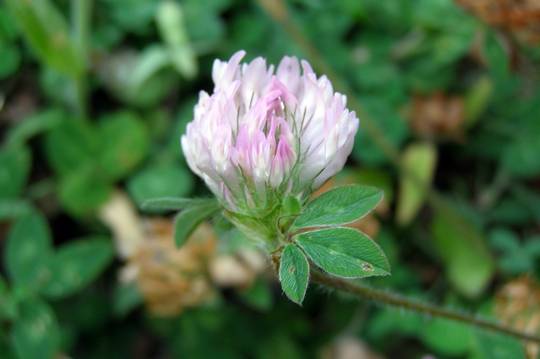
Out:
{"x": 15, "y": 163}
{"x": 294, "y": 273}
{"x": 36, "y": 333}
{"x": 187, "y": 220}
{"x": 462, "y": 247}
{"x": 420, "y": 159}
{"x": 27, "y": 251}
{"x": 344, "y": 252}
{"x": 163, "y": 180}
{"x": 341, "y": 205}
{"x": 76, "y": 264}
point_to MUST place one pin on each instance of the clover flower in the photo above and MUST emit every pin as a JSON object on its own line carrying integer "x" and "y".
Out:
{"x": 267, "y": 133}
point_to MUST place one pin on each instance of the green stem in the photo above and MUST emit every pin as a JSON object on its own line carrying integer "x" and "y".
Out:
{"x": 81, "y": 17}
{"x": 396, "y": 300}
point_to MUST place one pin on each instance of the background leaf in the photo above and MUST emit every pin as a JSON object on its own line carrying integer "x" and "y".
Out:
{"x": 36, "y": 334}
{"x": 84, "y": 191}
{"x": 468, "y": 263}
{"x": 76, "y": 264}
{"x": 27, "y": 252}
{"x": 420, "y": 160}
{"x": 160, "y": 181}
{"x": 15, "y": 162}
{"x": 124, "y": 143}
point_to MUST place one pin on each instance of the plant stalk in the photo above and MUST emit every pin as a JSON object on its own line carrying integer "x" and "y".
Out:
{"x": 81, "y": 17}
{"x": 396, "y": 300}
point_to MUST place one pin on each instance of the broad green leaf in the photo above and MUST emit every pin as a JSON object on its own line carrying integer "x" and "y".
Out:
{"x": 187, "y": 220}
{"x": 77, "y": 264}
{"x": 27, "y": 251}
{"x": 84, "y": 191}
{"x": 344, "y": 252}
{"x": 124, "y": 143}
{"x": 420, "y": 160}
{"x": 71, "y": 145}
{"x": 174, "y": 204}
{"x": 36, "y": 333}
{"x": 468, "y": 262}
{"x": 294, "y": 273}
{"x": 15, "y": 164}
{"x": 160, "y": 181}
{"x": 338, "y": 206}
{"x": 47, "y": 33}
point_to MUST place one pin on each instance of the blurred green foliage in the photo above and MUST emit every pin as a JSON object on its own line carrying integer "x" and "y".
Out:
{"x": 94, "y": 95}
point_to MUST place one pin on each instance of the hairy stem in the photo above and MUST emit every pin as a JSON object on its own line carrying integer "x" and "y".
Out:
{"x": 396, "y": 300}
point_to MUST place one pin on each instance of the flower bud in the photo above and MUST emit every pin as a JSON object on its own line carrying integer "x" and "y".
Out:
{"x": 265, "y": 134}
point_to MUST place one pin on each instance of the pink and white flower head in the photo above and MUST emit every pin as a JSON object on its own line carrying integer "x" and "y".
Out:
{"x": 264, "y": 134}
